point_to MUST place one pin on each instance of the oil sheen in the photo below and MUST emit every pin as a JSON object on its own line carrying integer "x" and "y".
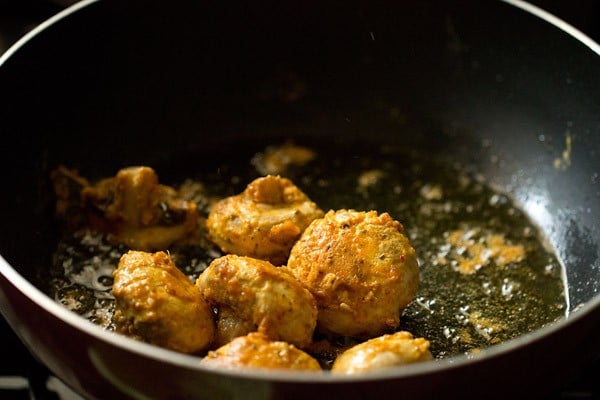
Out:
{"x": 486, "y": 275}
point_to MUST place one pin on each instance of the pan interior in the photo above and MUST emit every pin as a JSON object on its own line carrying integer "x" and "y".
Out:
{"x": 146, "y": 87}
{"x": 487, "y": 273}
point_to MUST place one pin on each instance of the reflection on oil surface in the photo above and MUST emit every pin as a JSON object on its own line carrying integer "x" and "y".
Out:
{"x": 486, "y": 275}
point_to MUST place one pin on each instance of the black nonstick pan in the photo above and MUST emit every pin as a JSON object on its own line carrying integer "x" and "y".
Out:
{"x": 462, "y": 94}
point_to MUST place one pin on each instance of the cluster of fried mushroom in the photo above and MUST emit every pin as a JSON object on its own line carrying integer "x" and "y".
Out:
{"x": 289, "y": 271}
{"x": 132, "y": 208}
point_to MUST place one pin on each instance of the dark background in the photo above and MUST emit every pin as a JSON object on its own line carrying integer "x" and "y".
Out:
{"x": 17, "y": 16}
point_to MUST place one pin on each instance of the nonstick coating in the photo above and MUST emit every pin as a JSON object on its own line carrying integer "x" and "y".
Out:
{"x": 481, "y": 83}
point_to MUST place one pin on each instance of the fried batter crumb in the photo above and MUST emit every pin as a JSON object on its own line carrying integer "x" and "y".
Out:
{"x": 473, "y": 253}
{"x": 563, "y": 162}
{"x": 369, "y": 178}
{"x": 276, "y": 159}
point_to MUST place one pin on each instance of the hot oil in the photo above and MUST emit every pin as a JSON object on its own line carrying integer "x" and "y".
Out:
{"x": 485, "y": 277}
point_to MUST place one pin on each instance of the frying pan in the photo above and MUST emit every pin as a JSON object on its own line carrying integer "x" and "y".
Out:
{"x": 109, "y": 84}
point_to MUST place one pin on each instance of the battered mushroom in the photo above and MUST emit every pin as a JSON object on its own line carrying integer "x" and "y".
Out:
{"x": 361, "y": 269}
{"x": 264, "y": 221}
{"x": 157, "y": 303}
{"x": 254, "y": 293}
{"x": 382, "y": 352}
{"x": 257, "y": 351}
{"x": 139, "y": 212}
{"x": 132, "y": 208}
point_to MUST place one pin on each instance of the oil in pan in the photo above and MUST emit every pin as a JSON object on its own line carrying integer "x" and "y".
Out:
{"x": 485, "y": 274}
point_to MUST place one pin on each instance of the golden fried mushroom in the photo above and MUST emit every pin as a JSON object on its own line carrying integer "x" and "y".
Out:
{"x": 381, "y": 352}
{"x": 254, "y": 293}
{"x": 134, "y": 209}
{"x": 156, "y": 302}
{"x": 262, "y": 222}
{"x": 257, "y": 351}
{"x": 361, "y": 269}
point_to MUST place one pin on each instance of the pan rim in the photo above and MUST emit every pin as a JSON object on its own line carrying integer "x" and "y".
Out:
{"x": 42, "y": 27}
{"x": 191, "y": 362}
{"x": 521, "y": 4}
{"x": 557, "y": 22}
